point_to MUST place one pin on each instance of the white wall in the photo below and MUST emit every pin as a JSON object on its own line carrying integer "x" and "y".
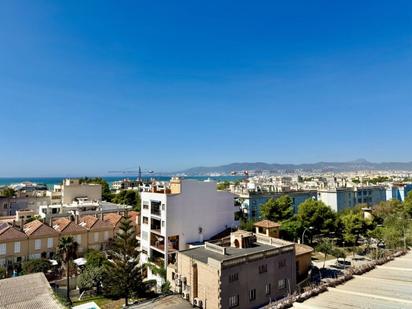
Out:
{"x": 199, "y": 205}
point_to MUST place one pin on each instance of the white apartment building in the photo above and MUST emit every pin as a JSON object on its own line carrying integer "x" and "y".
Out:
{"x": 181, "y": 213}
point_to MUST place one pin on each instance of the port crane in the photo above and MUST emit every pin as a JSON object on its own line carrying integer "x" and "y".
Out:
{"x": 137, "y": 172}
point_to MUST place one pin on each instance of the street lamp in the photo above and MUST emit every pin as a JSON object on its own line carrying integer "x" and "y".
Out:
{"x": 304, "y": 231}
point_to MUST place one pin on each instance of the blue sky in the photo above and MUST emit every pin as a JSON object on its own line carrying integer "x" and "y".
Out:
{"x": 91, "y": 86}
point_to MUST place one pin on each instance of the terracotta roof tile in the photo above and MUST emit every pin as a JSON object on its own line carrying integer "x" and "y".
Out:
{"x": 93, "y": 223}
{"x": 10, "y": 233}
{"x": 112, "y": 218}
{"x": 266, "y": 224}
{"x": 38, "y": 228}
{"x": 302, "y": 249}
{"x": 66, "y": 226}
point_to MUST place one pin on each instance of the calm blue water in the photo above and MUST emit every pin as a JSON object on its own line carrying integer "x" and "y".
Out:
{"x": 50, "y": 181}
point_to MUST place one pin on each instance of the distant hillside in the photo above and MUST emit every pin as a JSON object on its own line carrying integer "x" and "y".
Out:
{"x": 360, "y": 164}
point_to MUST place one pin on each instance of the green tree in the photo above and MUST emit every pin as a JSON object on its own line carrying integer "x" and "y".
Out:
{"x": 123, "y": 275}
{"x": 95, "y": 258}
{"x": 7, "y": 192}
{"x": 352, "y": 227}
{"x": 247, "y": 225}
{"x": 316, "y": 214}
{"x": 326, "y": 247}
{"x": 291, "y": 229}
{"x": 36, "y": 266}
{"x": 106, "y": 193}
{"x": 277, "y": 210}
{"x": 397, "y": 231}
{"x": 385, "y": 209}
{"x": 407, "y": 204}
{"x": 91, "y": 276}
{"x": 128, "y": 197}
{"x": 67, "y": 252}
{"x": 3, "y": 273}
{"x": 223, "y": 185}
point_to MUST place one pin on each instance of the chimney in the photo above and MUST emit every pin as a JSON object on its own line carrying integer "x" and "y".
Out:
{"x": 76, "y": 218}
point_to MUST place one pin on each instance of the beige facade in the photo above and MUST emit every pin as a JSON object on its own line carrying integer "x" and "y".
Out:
{"x": 99, "y": 231}
{"x": 245, "y": 274}
{"x": 13, "y": 245}
{"x": 42, "y": 240}
{"x": 73, "y": 189}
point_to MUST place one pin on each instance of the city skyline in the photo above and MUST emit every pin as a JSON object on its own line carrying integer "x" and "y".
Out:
{"x": 87, "y": 89}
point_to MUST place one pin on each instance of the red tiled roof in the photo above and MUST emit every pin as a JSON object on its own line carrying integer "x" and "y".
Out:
{"x": 266, "y": 224}
{"x": 38, "y": 228}
{"x": 112, "y": 218}
{"x": 10, "y": 233}
{"x": 66, "y": 226}
{"x": 93, "y": 223}
{"x": 302, "y": 249}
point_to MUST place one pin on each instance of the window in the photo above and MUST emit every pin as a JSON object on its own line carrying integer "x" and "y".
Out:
{"x": 233, "y": 277}
{"x": 263, "y": 268}
{"x": 282, "y": 263}
{"x": 17, "y": 247}
{"x": 145, "y": 205}
{"x": 281, "y": 284}
{"x": 233, "y": 301}
{"x": 252, "y": 294}
{"x": 145, "y": 220}
{"x": 268, "y": 289}
{"x": 96, "y": 236}
{"x": 49, "y": 243}
{"x": 106, "y": 235}
{"x": 37, "y": 244}
{"x": 163, "y": 224}
{"x": 2, "y": 249}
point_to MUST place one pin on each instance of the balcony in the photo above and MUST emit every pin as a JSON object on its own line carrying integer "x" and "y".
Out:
{"x": 155, "y": 208}
{"x": 155, "y": 225}
{"x": 157, "y": 242}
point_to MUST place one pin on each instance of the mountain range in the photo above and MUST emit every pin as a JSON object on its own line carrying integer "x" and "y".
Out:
{"x": 356, "y": 165}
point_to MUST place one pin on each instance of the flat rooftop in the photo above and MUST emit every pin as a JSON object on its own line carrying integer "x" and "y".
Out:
{"x": 202, "y": 254}
{"x": 387, "y": 286}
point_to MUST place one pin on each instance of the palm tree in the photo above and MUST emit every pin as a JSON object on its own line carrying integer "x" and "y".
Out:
{"x": 67, "y": 250}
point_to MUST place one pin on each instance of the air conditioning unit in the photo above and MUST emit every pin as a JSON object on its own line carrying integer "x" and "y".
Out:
{"x": 186, "y": 295}
{"x": 197, "y": 302}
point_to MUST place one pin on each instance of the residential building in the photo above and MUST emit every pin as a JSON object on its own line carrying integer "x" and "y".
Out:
{"x": 398, "y": 191}
{"x": 42, "y": 239}
{"x": 247, "y": 271}
{"x": 251, "y": 201}
{"x": 99, "y": 231}
{"x": 346, "y": 197}
{"x": 72, "y": 190}
{"x": 13, "y": 246}
{"x": 303, "y": 253}
{"x": 179, "y": 213}
{"x": 67, "y": 227}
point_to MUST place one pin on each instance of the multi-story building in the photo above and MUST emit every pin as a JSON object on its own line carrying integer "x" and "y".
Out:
{"x": 398, "y": 191}
{"x": 73, "y": 190}
{"x": 179, "y": 213}
{"x": 13, "y": 245}
{"x": 251, "y": 202}
{"x": 247, "y": 271}
{"x": 99, "y": 231}
{"x": 67, "y": 227}
{"x": 347, "y": 197}
{"x": 42, "y": 239}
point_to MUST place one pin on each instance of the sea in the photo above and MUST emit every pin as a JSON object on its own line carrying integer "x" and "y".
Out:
{"x": 51, "y": 181}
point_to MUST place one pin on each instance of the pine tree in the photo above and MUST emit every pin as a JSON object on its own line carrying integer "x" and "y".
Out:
{"x": 123, "y": 275}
